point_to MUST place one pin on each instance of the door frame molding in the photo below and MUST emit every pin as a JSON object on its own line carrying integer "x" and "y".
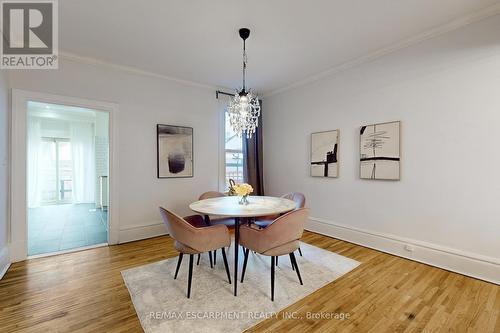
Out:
{"x": 18, "y": 246}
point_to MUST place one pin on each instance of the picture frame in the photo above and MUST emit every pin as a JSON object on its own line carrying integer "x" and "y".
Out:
{"x": 324, "y": 161}
{"x": 174, "y": 151}
{"x": 380, "y": 151}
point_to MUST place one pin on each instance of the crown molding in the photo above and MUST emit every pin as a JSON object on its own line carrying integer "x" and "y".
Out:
{"x": 434, "y": 32}
{"x": 133, "y": 70}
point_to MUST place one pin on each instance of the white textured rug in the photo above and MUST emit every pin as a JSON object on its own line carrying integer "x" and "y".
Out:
{"x": 162, "y": 306}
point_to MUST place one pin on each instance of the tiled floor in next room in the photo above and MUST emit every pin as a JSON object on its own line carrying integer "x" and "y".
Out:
{"x": 61, "y": 227}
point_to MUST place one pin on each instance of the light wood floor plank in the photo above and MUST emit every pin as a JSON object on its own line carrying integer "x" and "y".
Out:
{"x": 84, "y": 292}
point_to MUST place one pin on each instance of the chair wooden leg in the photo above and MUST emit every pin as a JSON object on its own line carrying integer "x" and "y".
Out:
{"x": 292, "y": 258}
{"x": 277, "y": 260}
{"x": 190, "y": 276}
{"x": 226, "y": 265}
{"x": 247, "y": 251}
{"x": 178, "y": 265}
{"x": 198, "y": 261}
{"x": 291, "y": 263}
{"x": 215, "y": 257}
{"x": 300, "y": 251}
{"x": 272, "y": 278}
{"x": 210, "y": 256}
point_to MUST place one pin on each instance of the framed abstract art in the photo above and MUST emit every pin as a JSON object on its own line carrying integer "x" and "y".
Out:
{"x": 380, "y": 151}
{"x": 174, "y": 151}
{"x": 324, "y": 154}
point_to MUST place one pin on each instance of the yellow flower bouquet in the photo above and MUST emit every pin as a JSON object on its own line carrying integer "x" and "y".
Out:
{"x": 243, "y": 190}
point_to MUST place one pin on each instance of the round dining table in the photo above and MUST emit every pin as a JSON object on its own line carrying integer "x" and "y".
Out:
{"x": 229, "y": 207}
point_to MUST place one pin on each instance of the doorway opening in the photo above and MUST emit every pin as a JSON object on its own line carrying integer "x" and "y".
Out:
{"x": 67, "y": 177}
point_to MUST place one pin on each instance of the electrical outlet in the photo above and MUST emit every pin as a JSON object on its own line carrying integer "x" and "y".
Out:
{"x": 409, "y": 248}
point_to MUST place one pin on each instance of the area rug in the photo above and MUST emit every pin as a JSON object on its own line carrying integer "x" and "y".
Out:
{"x": 162, "y": 306}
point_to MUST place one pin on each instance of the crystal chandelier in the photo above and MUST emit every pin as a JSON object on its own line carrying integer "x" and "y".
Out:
{"x": 244, "y": 108}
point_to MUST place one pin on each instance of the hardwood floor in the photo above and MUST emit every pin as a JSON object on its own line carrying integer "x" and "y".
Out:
{"x": 84, "y": 292}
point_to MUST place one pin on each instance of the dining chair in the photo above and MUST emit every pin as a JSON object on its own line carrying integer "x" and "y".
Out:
{"x": 280, "y": 238}
{"x": 198, "y": 221}
{"x": 214, "y": 220}
{"x": 210, "y": 194}
{"x": 191, "y": 240}
{"x": 300, "y": 202}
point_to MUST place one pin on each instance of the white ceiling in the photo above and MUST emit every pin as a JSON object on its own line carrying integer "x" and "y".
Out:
{"x": 291, "y": 40}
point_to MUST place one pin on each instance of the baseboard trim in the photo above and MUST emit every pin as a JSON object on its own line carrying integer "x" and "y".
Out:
{"x": 77, "y": 249}
{"x": 466, "y": 263}
{"x": 134, "y": 233}
{"x": 4, "y": 261}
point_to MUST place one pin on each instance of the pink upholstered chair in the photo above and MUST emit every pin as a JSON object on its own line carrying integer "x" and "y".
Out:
{"x": 211, "y": 194}
{"x": 300, "y": 202}
{"x": 215, "y": 220}
{"x": 198, "y": 221}
{"x": 280, "y": 238}
{"x": 191, "y": 240}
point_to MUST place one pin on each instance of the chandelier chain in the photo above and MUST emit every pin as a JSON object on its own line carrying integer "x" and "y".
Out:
{"x": 244, "y": 64}
{"x": 244, "y": 108}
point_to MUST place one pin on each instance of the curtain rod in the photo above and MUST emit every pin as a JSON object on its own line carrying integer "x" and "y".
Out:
{"x": 217, "y": 92}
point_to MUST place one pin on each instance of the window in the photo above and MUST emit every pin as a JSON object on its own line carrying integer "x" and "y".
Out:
{"x": 233, "y": 154}
{"x": 57, "y": 171}
{"x": 65, "y": 171}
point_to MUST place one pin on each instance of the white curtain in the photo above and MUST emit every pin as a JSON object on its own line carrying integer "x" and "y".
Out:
{"x": 35, "y": 162}
{"x": 82, "y": 150}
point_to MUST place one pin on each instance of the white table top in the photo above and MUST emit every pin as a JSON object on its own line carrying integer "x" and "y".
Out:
{"x": 229, "y": 206}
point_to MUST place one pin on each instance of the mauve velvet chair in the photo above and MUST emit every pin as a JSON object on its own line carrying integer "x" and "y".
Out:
{"x": 300, "y": 202}
{"x": 228, "y": 221}
{"x": 211, "y": 194}
{"x": 279, "y": 238}
{"x": 191, "y": 240}
{"x": 198, "y": 221}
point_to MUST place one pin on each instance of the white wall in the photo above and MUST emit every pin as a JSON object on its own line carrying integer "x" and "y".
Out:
{"x": 4, "y": 162}
{"x": 143, "y": 102}
{"x": 446, "y": 92}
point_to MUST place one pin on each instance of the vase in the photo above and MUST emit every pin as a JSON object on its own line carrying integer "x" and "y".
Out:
{"x": 243, "y": 200}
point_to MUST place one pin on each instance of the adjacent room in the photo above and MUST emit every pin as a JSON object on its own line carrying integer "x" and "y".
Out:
{"x": 265, "y": 166}
{"x": 67, "y": 177}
